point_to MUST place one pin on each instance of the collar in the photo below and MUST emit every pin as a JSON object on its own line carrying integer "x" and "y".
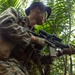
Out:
{"x": 28, "y": 24}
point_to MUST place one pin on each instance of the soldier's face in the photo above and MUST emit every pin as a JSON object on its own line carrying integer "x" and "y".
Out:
{"x": 41, "y": 17}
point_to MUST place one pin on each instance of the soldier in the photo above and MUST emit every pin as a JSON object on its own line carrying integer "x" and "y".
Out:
{"x": 17, "y": 44}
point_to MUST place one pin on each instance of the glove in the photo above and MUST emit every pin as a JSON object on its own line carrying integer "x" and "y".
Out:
{"x": 69, "y": 50}
{"x": 37, "y": 40}
{"x": 40, "y": 41}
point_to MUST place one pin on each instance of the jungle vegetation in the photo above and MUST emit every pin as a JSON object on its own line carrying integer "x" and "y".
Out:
{"x": 61, "y": 23}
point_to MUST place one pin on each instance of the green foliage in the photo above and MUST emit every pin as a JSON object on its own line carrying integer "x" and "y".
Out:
{"x": 61, "y": 22}
{"x": 4, "y": 4}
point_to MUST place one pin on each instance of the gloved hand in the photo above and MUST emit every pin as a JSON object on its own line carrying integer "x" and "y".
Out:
{"x": 37, "y": 40}
{"x": 69, "y": 50}
{"x": 40, "y": 41}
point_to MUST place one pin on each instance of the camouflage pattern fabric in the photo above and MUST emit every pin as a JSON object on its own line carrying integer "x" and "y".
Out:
{"x": 12, "y": 67}
{"x": 12, "y": 28}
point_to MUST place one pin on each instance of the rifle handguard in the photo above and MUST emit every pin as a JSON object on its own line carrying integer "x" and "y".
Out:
{"x": 49, "y": 43}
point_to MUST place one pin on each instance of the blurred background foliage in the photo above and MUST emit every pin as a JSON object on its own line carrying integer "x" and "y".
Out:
{"x": 61, "y": 22}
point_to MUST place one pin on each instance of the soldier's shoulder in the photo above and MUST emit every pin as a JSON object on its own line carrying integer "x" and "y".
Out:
{"x": 12, "y": 9}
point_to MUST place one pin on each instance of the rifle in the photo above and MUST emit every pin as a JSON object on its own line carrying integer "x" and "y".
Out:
{"x": 52, "y": 41}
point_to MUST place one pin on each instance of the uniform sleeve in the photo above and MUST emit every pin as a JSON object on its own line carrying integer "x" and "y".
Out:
{"x": 9, "y": 28}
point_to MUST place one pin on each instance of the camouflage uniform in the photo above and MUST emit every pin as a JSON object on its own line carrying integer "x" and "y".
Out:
{"x": 12, "y": 29}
